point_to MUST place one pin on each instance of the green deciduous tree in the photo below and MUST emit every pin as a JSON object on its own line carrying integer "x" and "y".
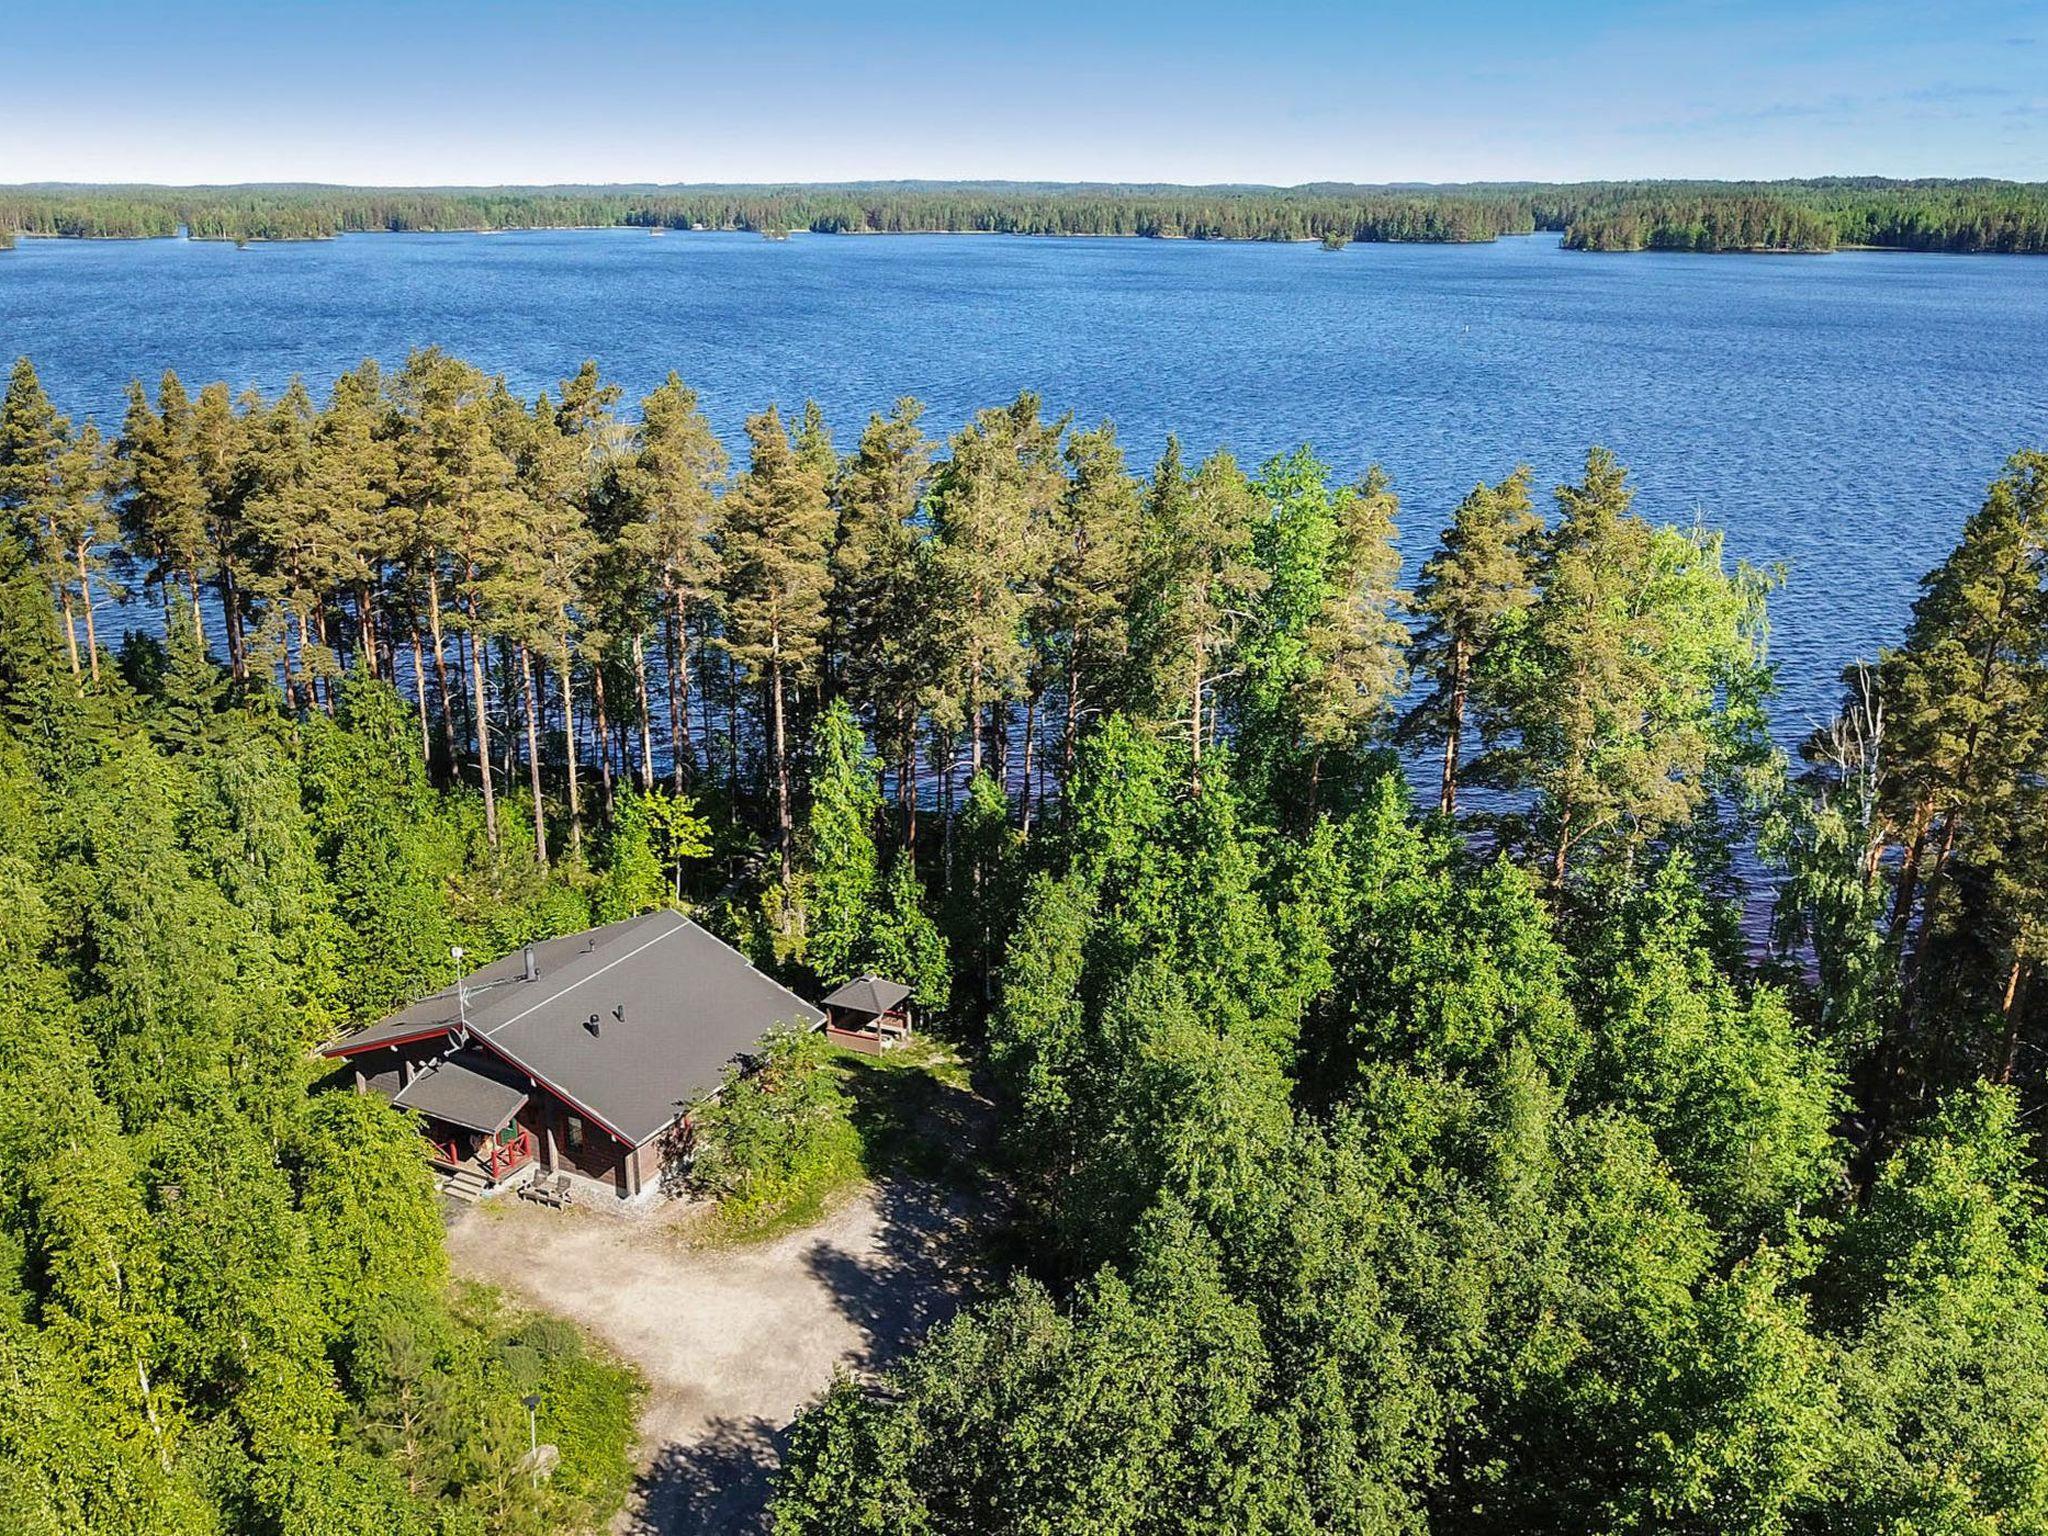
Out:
{"x": 1634, "y": 689}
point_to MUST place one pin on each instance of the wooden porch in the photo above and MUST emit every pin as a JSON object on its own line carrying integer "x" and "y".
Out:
{"x": 473, "y": 1165}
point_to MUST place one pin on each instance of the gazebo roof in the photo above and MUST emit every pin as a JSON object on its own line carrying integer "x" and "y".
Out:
{"x": 868, "y": 996}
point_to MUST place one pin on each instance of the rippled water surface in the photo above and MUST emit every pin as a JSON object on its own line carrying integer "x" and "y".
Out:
{"x": 1838, "y": 413}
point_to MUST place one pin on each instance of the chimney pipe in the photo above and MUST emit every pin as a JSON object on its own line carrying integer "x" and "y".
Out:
{"x": 592, "y": 1023}
{"x": 531, "y": 973}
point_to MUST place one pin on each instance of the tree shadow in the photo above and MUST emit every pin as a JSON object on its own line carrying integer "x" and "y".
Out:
{"x": 913, "y": 1121}
{"x": 718, "y": 1483}
{"x": 926, "y": 1263}
{"x": 935, "y": 1205}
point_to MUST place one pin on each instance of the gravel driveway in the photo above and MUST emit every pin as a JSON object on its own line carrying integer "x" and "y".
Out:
{"x": 732, "y": 1341}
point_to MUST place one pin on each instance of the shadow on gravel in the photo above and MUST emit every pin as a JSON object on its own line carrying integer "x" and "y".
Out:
{"x": 925, "y": 1136}
{"x": 716, "y": 1484}
{"x": 927, "y": 1258}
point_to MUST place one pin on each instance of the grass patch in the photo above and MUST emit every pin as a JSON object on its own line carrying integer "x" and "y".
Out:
{"x": 915, "y": 1111}
{"x": 734, "y": 1224}
{"x": 785, "y": 1144}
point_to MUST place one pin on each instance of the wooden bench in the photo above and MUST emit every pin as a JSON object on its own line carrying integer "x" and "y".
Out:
{"x": 554, "y": 1194}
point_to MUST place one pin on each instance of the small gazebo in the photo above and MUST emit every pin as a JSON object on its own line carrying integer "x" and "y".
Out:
{"x": 869, "y": 1013}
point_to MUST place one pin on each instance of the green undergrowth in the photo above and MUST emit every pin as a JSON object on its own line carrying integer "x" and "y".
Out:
{"x": 784, "y": 1145}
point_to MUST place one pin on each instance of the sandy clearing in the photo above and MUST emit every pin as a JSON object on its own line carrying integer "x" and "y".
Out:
{"x": 732, "y": 1342}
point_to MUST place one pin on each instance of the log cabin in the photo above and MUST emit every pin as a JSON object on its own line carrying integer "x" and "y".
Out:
{"x": 579, "y": 1054}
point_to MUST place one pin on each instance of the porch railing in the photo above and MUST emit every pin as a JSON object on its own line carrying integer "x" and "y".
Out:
{"x": 505, "y": 1157}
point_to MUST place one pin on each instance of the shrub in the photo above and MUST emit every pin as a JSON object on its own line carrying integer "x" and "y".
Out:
{"x": 778, "y": 1137}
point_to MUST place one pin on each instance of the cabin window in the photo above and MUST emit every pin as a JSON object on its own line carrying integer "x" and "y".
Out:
{"x": 575, "y": 1133}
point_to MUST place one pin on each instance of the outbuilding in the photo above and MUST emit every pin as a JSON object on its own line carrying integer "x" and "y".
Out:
{"x": 869, "y": 1013}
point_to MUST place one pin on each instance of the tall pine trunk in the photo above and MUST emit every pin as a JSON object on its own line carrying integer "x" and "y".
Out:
{"x": 1564, "y": 843}
{"x": 604, "y": 740}
{"x": 1454, "y": 731}
{"x": 678, "y": 707}
{"x": 70, "y": 619}
{"x": 92, "y": 639}
{"x": 1073, "y": 724}
{"x": 483, "y": 727}
{"x": 785, "y": 821}
{"x": 569, "y": 748}
{"x": 945, "y": 766}
{"x": 231, "y": 615}
{"x": 366, "y": 630}
{"x": 540, "y": 814}
{"x": 906, "y": 772}
{"x": 646, "y": 716}
{"x": 311, "y": 685}
{"x": 441, "y": 675}
{"x": 1030, "y": 741}
{"x": 2014, "y": 981}
{"x": 419, "y": 688}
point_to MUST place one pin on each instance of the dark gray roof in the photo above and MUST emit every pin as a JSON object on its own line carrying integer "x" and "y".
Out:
{"x": 870, "y": 996}
{"x": 396, "y": 1030}
{"x": 673, "y": 1006}
{"x": 468, "y": 1089}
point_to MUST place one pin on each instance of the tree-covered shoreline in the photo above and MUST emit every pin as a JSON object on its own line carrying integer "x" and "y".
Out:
{"x": 1377, "y": 1167}
{"x": 1809, "y": 215}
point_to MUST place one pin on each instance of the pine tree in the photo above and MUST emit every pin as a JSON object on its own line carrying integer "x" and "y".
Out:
{"x": 296, "y": 549}
{"x": 883, "y": 653}
{"x": 774, "y": 542}
{"x": 85, "y": 527}
{"x": 353, "y": 477}
{"x": 1965, "y": 694}
{"x": 1634, "y": 689}
{"x": 1356, "y": 645}
{"x": 460, "y": 481}
{"x": 1197, "y": 583}
{"x": 218, "y": 450}
{"x": 995, "y": 491}
{"x": 671, "y": 485}
{"x": 1090, "y": 566}
{"x": 35, "y": 449}
{"x": 163, "y": 505}
{"x": 1476, "y": 586}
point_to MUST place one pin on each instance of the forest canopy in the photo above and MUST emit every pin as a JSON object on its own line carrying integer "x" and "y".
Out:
{"x": 1405, "y": 1133}
{"x": 1812, "y": 215}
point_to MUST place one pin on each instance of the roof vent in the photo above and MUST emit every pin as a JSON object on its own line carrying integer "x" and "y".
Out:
{"x": 619, "y": 1013}
{"x": 592, "y": 1024}
{"x": 531, "y": 973}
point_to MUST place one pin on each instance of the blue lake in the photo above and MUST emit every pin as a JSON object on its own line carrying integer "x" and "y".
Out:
{"x": 1841, "y": 414}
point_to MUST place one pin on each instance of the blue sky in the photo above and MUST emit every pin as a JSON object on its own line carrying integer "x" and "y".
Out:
{"x": 460, "y": 91}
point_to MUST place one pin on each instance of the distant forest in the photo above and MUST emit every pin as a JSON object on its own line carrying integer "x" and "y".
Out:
{"x": 1816, "y": 215}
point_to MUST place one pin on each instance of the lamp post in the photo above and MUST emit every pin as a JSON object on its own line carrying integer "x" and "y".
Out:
{"x": 532, "y": 1401}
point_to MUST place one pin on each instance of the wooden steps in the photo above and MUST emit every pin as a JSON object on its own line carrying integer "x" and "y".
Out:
{"x": 464, "y": 1184}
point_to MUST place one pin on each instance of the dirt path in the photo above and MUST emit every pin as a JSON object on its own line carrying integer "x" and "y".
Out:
{"x": 732, "y": 1342}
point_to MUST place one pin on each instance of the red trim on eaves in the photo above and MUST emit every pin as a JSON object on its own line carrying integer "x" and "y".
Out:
{"x": 348, "y": 1048}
